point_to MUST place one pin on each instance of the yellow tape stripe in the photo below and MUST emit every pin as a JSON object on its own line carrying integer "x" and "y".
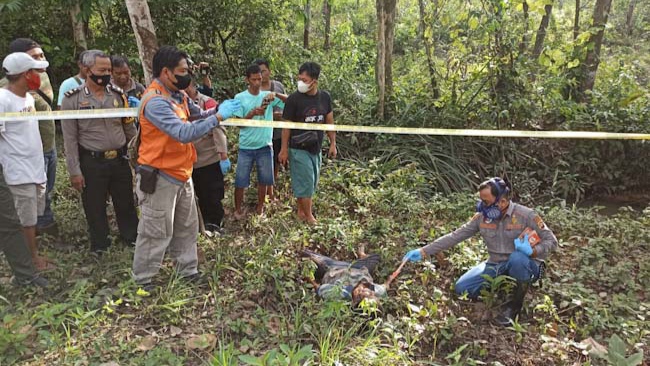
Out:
{"x": 132, "y": 112}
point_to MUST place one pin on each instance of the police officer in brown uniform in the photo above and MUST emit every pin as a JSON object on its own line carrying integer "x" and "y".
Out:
{"x": 95, "y": 153}
{"x": 501, "y": 223}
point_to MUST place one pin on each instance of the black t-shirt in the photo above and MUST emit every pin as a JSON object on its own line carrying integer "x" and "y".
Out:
{"x": 301, "y": 107}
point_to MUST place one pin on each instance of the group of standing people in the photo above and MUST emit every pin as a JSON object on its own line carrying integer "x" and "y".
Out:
{"x": 181, "y": 150}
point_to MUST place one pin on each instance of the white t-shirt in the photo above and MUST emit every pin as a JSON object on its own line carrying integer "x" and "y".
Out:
{"x": 21, "y": 151}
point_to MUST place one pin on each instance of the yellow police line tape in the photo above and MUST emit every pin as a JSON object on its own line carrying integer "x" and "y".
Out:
{"x": 132, "y": 112}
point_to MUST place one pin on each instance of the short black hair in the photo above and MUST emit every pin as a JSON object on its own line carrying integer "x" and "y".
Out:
{"x": 253, "y": 69}
{"x": 492, "y": 183}
{"x": 311, "y": 68}
{"x": 22, "y": 45}
{"x": 262, "y": 61}
{"x": 167, "y": 56}
{"x": 119, "y": 61}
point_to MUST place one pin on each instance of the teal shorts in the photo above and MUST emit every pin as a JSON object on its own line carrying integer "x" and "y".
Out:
{"x": 305, "y": 171}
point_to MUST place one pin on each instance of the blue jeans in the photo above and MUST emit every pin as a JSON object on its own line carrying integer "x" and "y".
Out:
{"x": 50, "y": 172}
{"x": 518, "y": 266}
{"x": 262, "y": 158}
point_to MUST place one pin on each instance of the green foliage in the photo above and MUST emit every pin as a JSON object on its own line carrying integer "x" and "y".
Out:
{"x": 616, "y": 354}
{"x": 286, "y": 355}
{"x": 390, "y": 193}
{"x": 259, "y": 312}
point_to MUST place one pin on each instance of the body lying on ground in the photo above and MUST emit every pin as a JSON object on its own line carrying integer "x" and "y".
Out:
{"x": 344, "y": 280}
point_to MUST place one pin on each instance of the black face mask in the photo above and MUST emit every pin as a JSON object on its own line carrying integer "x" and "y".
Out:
{"x": 182, "y": 81}
{"x": 102, "y": 80}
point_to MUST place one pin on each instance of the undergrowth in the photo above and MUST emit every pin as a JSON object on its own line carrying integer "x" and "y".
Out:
{"x": 255, "y": 308}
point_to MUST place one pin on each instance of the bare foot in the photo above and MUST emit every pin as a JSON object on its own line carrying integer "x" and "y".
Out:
{"x": 260, "y": 210}
{"x": 311, "y": 220}
{"x": 301, "y": 216}
{"x": 239, "y": 215}
{"x": 42, "y": 264}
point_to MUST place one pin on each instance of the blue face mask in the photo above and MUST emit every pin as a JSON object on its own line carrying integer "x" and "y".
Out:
{"x": 491, "y": 212}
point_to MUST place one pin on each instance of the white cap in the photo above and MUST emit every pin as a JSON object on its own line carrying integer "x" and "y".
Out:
{"x": 19, "y": 62}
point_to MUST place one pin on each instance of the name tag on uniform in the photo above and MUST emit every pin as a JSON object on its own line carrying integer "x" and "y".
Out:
{"x": 514, "y": 227}
{"x": 484, "y": 225}
{"x": 86, "y": 107}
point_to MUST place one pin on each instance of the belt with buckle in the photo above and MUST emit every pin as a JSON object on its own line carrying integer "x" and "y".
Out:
{"x": 108, "y": 154}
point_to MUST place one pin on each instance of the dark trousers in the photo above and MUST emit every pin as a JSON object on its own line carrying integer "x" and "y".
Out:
{"x": 12, "y": 238}
{"x": 104, "y": 177}
{"x": 50, "y": 171}
{"x": 209, "y": 187}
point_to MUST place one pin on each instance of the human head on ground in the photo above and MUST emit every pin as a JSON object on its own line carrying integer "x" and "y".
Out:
{"x": 494, "y": 196}
{"x": 264, "y": 68}
{"x": 121, "y": 71}
{"x": 308, "y": 75}
{"x": 254, "y": 78}
{"x": 364, "y": 290}
{"x": 23, "y": 71}
{"x": 97, "y": 66}
{"x": 171, "y": 67}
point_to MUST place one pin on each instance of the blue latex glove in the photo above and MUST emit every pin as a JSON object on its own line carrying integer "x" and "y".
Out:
{"x": 225, "y": 166}
{"x": 134, "y": 102}
{"x": 414, "y": 255}
{"x": 523, "y": 245}
{"x": 229, "y": 107}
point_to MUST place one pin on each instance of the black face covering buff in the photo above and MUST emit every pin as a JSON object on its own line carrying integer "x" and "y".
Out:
{"x": 182, "y": 81}
{"x": 102, "y": 80}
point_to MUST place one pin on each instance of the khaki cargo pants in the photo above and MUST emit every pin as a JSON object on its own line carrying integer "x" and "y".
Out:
{"x": 169, "y": 223}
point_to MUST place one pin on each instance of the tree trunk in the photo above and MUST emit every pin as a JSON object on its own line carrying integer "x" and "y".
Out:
{"x": 541, "y": 32}
{"x": 78, "y": 26}
{"x": 592, "y": 60}
{"x": 383, "y": 67}
{"x": 629, "y": 18}
{"x": 576, "y": 21}
{"x": 145, "y": 34}
{"x": 305, "y": 34}
{"x": 327, "y": 14}
{"x": 524, "y": 38}
{"x": 424, "y": 38}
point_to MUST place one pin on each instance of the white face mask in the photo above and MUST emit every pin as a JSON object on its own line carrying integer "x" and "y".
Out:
{"x": 303, "y": 87}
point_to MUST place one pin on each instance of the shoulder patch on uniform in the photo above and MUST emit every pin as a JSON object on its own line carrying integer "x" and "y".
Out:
{"x": 540, "y": 223}
{"x": 116, "y": 88}
{"x": 73, "y": 91}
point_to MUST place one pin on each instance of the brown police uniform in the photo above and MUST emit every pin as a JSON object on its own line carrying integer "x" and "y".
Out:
{"x": 499, "y": 236}
{"x": 135, "y": 89}
{"x": 96, "y": 149}
{"x": 207, "y": 176}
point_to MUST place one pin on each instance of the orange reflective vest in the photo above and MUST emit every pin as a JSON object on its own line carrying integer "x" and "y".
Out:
{"x": 158, "y": 149}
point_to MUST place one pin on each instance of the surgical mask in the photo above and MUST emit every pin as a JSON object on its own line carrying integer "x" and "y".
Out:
{"x": 491, "y": 212}
{"x": 33, "y": 81}
{"x": 183, "y": 81}
{"x": 303, "y": 87}
{"x": 102, "y": 80}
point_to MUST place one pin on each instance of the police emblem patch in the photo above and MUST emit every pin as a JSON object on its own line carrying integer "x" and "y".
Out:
{"x": 540, "y": 222}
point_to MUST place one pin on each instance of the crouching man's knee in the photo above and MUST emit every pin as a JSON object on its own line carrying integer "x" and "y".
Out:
{"x": 522, "y": 268}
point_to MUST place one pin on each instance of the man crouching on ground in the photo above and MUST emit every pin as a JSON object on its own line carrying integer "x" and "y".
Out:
{"x": 501, "y": 223}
